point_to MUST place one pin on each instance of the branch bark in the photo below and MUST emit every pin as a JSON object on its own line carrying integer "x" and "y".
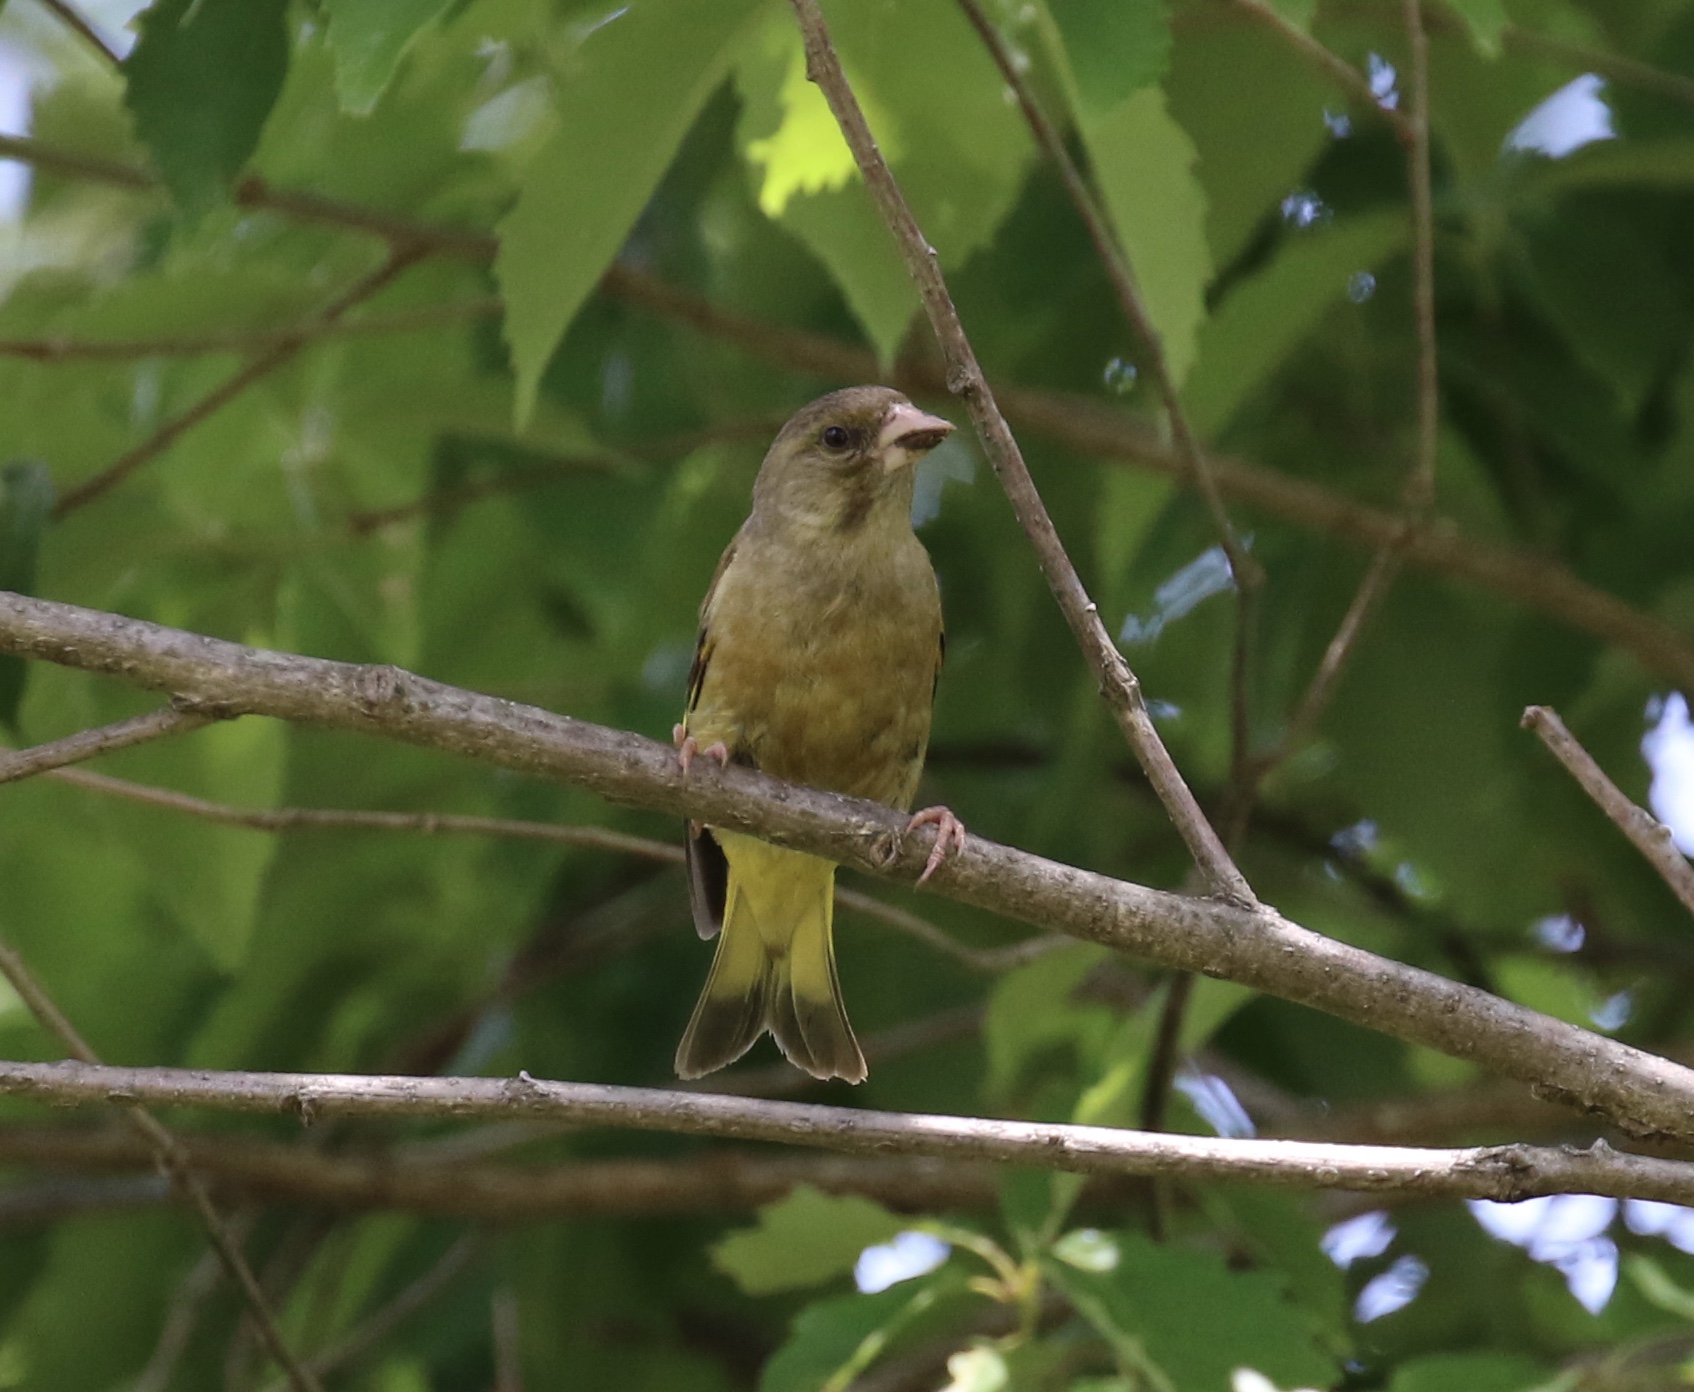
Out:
{"x": 1642, "y": 1094}
{"x": 1646, "y": 832}
{"x": 1506, "y": 1173}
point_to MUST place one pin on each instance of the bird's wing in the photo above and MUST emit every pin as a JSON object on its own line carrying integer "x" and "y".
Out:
{"x": 708, "y": 871}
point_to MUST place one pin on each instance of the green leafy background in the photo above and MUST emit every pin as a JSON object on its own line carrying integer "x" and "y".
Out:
{"x": 527, "y": 494}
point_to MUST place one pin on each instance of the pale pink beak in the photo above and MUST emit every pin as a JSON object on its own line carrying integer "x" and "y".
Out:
{"x": 907, "y": 434}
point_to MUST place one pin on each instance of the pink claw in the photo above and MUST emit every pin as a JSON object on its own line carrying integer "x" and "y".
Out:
{"x": 687, "y": 747}
{"x": 949, "y": 834}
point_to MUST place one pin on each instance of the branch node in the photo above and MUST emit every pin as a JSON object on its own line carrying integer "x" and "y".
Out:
{"x": 381, "y": 687}
{"x": 187, "y": 703}
{"x": 963, "y": 379}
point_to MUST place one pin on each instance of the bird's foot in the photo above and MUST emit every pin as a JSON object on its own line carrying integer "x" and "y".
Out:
{"x": 687, "y": 747}
{"x": 949, "y": 834}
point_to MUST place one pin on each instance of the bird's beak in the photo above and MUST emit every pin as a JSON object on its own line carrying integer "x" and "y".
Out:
{"x": 907, "y": 434}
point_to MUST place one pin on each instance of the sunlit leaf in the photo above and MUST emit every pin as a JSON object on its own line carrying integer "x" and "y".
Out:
{"x": 803, "y": 1240}
{"x": 369, "y": 37}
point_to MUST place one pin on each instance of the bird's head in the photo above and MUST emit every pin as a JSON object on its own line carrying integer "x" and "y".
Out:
{"x": 845, "y": 462}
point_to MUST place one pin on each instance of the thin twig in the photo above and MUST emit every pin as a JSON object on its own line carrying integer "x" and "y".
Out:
{"x": 965, "y": 379}
{"x": 372, "y": 1330}
{"x": 1259, "y": 948}
{"x": 172, "y": 1159}
{"x": 1508, "y": 1172}
{"x": 1337, "y": 69}
{"x": 316, "y": 329}
{"x": 89, "y": 744}
{"x": 184, "y": 1313}
{"x": 508, "y": 1341}
{"x": 85, "y": 31}
{"x": 1420, "y": 488}
{"x": 398, "y": 260}
{"x": 1649, "y": 835}
{"x": 1114, "y": 259}
{"x": 280, "y": 819}
{"x": 1079, "y": 422}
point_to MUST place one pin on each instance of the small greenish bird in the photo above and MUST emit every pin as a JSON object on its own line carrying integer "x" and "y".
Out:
{"x": 820, "y": 646}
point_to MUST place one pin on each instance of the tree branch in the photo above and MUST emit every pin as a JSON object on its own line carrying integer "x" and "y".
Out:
{"x": 173, "y": 1160}
{"x": 400, "y": 321}
{"x": 1337, "y": 69}
{"x": 1259, "y": 948}
{"x": 1505, "y": 1173}
{"x": 88, "y": 744}
{"x": 85, "y": 31}
{"x": 965, "y": 380}
{"x": 398, "y": 260}
{"x": 1646, "y": 832}
{"x": 1420, "y": 488}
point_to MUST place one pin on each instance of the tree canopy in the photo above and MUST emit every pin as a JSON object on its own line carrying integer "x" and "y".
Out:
{"x": 1348, "y": 348}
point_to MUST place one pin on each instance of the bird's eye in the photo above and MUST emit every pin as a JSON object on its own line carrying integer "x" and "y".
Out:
{"x": 837, "y": 437}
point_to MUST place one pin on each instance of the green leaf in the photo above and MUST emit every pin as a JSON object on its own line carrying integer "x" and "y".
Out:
{"x": 201, "y": 80}
{"x": 1114, "y": 50}
{"x": 26, "y": 505}
{"x": 977, "y": 1369}
{"x": 1473, "y": 1372}
{"x": 368, "y": 38}
{"x": 1652, "y": 1281}
{"x": 1144, "y": 164}
{"x": 1196, "y": 1318}
{"x": 1269, "y": 315}
{"x": 1485, "y": 19}
{"x": 803, "y": 1240}
{"x": 842, "y": 1335}
{"x": 1031, "y": 1009}
{"x": 642, "y": 77}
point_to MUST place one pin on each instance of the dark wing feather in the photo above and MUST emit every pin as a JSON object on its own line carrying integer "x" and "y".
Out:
{"x": 708, "y": 871}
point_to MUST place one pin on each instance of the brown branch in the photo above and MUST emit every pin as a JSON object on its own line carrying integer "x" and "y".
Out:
{"x": 1114, "y": 260}
{"x": 1646, "y": 832}
{"x": 1259, "y": 948}
{"x": 400, "y": 321}
{"x": 237, "y": 382}
{"x": 172, "y": 1159}
{"x": 85, "y": 31}
{"x": 1080, "y": 423}
{"x": 280, "y": 819}
{"x": 1337, "y": 69}
{"x": 503, "y": 1312}
{"x": 88, "y": 744}
{"x": 184, "y": 1313}
{"x": 1506, "y": 1173}
{"x": 965, "y": 379}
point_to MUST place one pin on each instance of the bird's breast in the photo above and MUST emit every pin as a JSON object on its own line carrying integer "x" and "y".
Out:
{"x": 823, "y": 673}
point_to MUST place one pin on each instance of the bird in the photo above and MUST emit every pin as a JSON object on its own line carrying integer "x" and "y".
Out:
{"x": 818, "y": 658}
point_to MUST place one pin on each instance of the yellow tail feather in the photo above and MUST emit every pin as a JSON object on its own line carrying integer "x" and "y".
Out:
{"x": 774, "y": 968}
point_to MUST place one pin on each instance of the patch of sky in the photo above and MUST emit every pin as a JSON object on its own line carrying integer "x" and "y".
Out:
{"x": 1564, "y": 1231}
{"x": 910, "y": 1254}
{"x": 949, "y": 462}
{"x": 1574, "y": 116}
{"x": 1215, "y": 1103}
{"x": 1393, "y": 1290}
{"x": 1367, "y": 1235}
{"x": 1668, "y": 747}
{"x": 1207, "y": 575}
{"x": 1559, "y": 933}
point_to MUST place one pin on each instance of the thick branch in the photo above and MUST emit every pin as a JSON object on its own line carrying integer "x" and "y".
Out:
{"x": 1258, "y": 948}
{"x": 1507, "y": 1172}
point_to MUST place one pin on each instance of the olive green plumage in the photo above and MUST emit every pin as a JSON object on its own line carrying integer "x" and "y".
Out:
{"x": 820, "y": 643}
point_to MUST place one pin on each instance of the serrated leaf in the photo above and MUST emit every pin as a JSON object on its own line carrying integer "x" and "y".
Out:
{"x": 803, "y": 1240}
{"x": 368, "y": 38}
{"x": 1114, "y": 50}
{"x": 830, "y": 1336}
{"x": 1267, "y": 316}
{"x": 1196, "y": 1318}
{"x": 200, "y": 82}
{"x": 26, "y": 505}
{"x": 641, "y": 78}
{"x": 1485, "y": 19}
{"x": 1144, "y": 164}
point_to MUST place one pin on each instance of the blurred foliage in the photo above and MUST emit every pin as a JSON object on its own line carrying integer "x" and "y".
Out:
{"x": 503, "y": 505}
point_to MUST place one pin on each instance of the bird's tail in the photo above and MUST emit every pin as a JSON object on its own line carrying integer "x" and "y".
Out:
{"x": 774, "y": 968}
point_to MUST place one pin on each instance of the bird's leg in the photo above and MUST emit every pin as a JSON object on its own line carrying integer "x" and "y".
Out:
{"x": 687, "y": 747}
{"x": 949, "y": 833}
